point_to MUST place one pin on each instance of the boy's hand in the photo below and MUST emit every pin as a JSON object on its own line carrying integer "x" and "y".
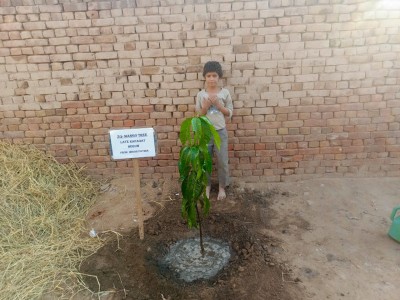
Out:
{"x": 207, "y": 103}
{"x": 214, "y": 101}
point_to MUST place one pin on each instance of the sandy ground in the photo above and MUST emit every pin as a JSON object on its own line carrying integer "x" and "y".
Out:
{"x": 333, "y": 231}
{"x": 334, "y": 234}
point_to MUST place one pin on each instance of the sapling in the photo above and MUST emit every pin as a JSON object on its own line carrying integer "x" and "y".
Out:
{"x": 195, "y": 165}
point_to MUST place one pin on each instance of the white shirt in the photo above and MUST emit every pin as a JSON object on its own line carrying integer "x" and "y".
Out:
{"x": 216, "y": 117}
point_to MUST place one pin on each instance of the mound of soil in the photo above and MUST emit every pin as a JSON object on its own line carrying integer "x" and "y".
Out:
{"x": 130, "y": 268}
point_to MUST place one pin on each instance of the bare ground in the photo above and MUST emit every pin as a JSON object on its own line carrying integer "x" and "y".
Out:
{"x": 345, "y": 253}
{"x": 316, "y": 239}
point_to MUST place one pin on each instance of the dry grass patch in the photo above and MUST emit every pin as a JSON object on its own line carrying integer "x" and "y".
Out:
{"x": 42, "y": 235}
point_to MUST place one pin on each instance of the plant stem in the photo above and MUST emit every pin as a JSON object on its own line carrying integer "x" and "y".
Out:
{"x": 201, "y": 232}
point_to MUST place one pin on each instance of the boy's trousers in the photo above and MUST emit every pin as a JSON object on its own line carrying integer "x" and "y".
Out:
{"x": 222, "y": 158}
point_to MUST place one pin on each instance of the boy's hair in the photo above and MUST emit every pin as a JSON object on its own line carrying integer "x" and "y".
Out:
{"x": 212, "y": 66}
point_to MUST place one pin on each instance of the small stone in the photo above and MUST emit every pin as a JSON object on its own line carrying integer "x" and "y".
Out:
{"x": 240, "y": 269}
{"x": 211, "y": 253}
{"x": 105, "y": 187}
{"x": 247, "y": 246}
{"x": 271, "y": 264}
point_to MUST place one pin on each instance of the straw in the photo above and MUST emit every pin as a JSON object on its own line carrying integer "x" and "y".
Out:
{"x": 42, "y": 235}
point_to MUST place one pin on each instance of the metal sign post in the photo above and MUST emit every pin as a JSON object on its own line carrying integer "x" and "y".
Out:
{"x": 134, "y": 143}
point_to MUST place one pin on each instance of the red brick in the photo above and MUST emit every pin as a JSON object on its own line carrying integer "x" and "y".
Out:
{"x": 97, "y": 159}
{"x": 237, "y": 147}
{"x": 353, "y": 149}
{"x": 259, "y": 146}
{"x": 330, "y": 150}
{"x": 138, "y": 116}
{"x": 288, "y": 165}
{"x": 72, "y": 104}
{"x": 73, "y": 132}
{"x": 56, "y": 132}
{"x": 266, "y": 153}
{"x": 244, "y": 153}
{"x": 129, "y": 123}
{"x": 117, "y": 117}
{"x": 288, "y": 152}
{"x": 293, "y": 138}
{"x": 32, "y": 134}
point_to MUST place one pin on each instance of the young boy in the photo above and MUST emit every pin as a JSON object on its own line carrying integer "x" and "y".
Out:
{"x": 216, "y": 104}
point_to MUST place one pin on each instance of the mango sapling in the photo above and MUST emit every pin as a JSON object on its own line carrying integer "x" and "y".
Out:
{"x": 195, "y": 166}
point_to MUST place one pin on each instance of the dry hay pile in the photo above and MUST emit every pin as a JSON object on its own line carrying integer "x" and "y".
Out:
{"x": 42, "y": 235}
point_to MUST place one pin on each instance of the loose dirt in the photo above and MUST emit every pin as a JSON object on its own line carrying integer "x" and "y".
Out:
{"x": 315, "y": 239}
{"x": 129, "y": 268}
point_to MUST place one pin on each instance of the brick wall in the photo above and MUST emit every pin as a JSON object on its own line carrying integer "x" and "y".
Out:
{"x": 315, "y": 83}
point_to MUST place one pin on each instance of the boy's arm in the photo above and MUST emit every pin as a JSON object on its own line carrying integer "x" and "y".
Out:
{"x": 228, "y": 108}
{"x": 229, "y": 104}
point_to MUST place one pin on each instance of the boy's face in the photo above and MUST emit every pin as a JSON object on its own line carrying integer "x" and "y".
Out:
{"x": 212, "y": 79}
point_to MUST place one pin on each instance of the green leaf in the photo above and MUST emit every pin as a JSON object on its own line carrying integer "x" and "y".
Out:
{"x": 198, "y": 189}
{"x": 207, "y": 159}
{"x": 183, "y": 208}
{"x": 205, "y": 119}
{"x": 192, "y": 218}
{"x": 188, "y": 187}
{"x": 199, "y": 173}
{"x": 214, "y": 133}
{"x": 192, "y": 185}
{"x": 194, "y": 153}
{"x": 184, "y": 188}
{"x": 206, "y": 137}
{"x": 196, "y": 125}
{"x": 206, "y": 204}
{"x": 184, "y": 161}
{"x": 183, "y": 154}
{"x": 217, "y": 139}
{"x": 184, "y": 135}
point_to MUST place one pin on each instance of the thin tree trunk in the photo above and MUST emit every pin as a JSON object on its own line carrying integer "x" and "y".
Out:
{"x": 201, "y": 232}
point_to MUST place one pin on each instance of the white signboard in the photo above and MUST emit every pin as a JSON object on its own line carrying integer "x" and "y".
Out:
{"x": 132, "y": 143}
